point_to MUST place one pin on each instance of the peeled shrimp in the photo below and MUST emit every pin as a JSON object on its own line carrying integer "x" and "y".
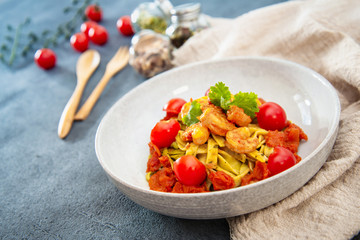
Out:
{"x": 184, "y": 110}
{"x": 216, "y": 121}
{"x": 198, "y": 133}
{"x": 239, "y": 140}
{"x": 237, "y": 116}
{"x": 205, "y": 104}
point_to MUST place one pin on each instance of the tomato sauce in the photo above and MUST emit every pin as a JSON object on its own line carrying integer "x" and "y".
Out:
{"x": 181, "y": 188}
{"x": 221, "y": 180}
{"x": 164, "y": 161}
{"x": 153, "y": 163}
{"x": 289, "y": 138}
{"x": 163, "y": 180}
{"x": 260, "y": 172}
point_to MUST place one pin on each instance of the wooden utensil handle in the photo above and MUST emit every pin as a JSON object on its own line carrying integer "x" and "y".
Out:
{"x": 67, "y": 116}
{"x": 86, "y": 108}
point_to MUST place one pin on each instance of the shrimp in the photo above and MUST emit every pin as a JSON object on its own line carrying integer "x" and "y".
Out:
{"x": 216, "y": 121}
{"x": 237, "y": 116}
{"x": 198, "y": 133}
{"x": 239, "y": 140}
{"x": 204, "y": 104}
{"x": 184, "y": 110}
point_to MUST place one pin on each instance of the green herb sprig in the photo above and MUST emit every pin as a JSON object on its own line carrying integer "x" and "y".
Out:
{"x": 12, "y": 47}
{"x": 192, "y": 116}
{"x": 220, "y": 95}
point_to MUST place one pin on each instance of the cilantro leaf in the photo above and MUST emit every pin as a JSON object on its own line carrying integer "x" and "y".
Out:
{"x": 220, "y": 95}
{"x": 246, "y": 101}
{"x": 193, "y": 114}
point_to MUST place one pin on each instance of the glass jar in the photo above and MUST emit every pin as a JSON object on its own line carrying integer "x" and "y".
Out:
{"x": 149, "y": 15}
{"x": 165, "y": 6}
{"x": 186, "y": 20}
{"x": 150, "y": 53}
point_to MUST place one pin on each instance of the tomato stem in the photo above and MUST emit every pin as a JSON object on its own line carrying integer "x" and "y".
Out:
{"x": 15, "y": 44}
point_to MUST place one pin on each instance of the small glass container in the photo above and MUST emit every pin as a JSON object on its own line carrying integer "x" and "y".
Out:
{"x": 150, "y": 53}
{"x": 165, "y": 6}
{"x": 186, "y": 20}
{"x": 149, "y": 15}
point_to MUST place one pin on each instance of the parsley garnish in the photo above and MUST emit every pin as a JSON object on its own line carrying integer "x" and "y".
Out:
{"x": 193, "y": 114}
{"x": 246, "y": 101}
{"x": 220, "y": 95}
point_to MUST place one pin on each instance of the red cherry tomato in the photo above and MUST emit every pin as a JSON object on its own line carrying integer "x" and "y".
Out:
{"x": 79, "y": 41}
{"x": 45, "y": 58}
{"x": 93, "y": 12}
{"x": 271, "y": 116}
{"x": 85, "y": 27}
{"x": 98, "y": 35}
{"x": 280, "y": 160}
{"x": 123, "y": 24}
{"x": 189, "y": 170}
{"x": 174, "y": 105}
{"x": 164, "y": 133}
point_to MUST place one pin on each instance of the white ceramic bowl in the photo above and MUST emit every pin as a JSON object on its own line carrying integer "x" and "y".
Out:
{"x": 124, "y": 133}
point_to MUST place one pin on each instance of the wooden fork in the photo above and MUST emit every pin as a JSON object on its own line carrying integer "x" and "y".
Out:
{"x": 118, "y": 62}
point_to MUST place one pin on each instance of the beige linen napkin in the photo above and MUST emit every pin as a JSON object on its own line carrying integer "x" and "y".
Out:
{"x": 325, "y": 36}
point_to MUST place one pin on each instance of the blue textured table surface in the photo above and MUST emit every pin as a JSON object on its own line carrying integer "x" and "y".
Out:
{"x": 56, "y": 189}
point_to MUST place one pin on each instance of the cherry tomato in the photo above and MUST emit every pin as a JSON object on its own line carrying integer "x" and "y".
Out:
{"x": 93, "y": 12}
{"x": 189, "y": 170}
{"x": 271, "y": 116}
{"x": 45, "y": 58}
{"x": 174, "y": 105}
{"x": 280, "y": 160}
{"x": 79, "y": 41}
{"x": 164, "y": 133}
{"x": 85, "y": 27}
{"x": 123, "y": 24}
{"x": 98, "y": 34}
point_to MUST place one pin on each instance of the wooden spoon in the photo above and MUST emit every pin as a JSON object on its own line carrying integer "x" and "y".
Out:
{"x": 116, "y": 63}
{"x": 85, "y": 66}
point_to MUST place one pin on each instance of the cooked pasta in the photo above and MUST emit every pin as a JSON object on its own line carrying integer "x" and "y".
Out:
{"x": 224, "y": 138}
{"x": 220, "y": 157}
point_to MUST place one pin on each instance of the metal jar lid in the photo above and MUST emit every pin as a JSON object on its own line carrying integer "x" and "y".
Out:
{"x": 185, "y": 12}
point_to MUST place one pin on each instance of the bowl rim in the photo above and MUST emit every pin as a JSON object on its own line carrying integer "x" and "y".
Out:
{"x": 319, "y": 77}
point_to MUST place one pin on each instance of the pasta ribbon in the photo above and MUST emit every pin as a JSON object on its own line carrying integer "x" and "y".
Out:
{"x": 173, "y": 153}
{"x": 180, "y": 143}
{"x": 166, "y": 152}
{"x": 244, "y": 169}
{"x": 256, "y": 156}
{"x": 212, "y": 152}
{"x": 257, "y": 132}
{"x": 231, "y": 165}
{"x": 219, "y": 140}
{"x": 192, "y": 149}
{"x": 238, "y": 156}
{"x": 266, "y": 150}
{"x": 202, "y": 157}
{"x": 148, "y": 175}
{"x": 202, "y": 149}
{"x": 251, "y": 165}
